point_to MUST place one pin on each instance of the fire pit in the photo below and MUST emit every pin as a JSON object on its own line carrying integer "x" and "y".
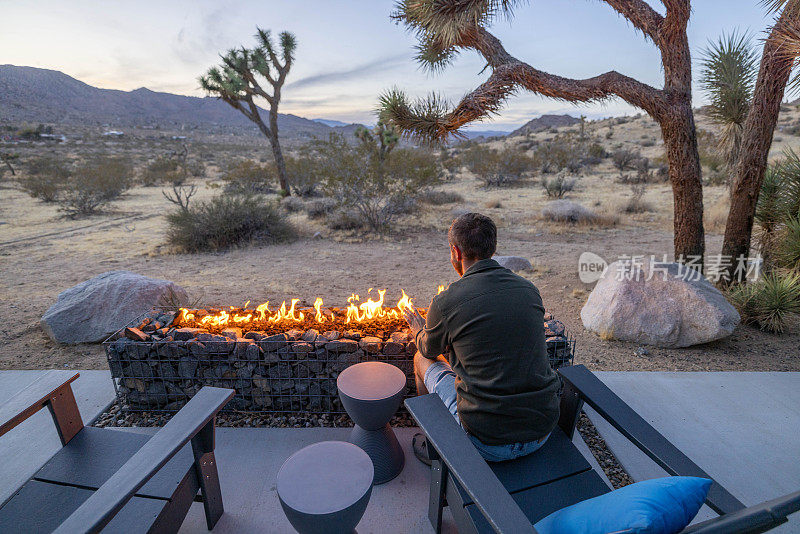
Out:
{"x": 283, "y": 360}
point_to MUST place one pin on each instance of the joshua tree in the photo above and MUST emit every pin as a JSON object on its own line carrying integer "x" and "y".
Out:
{"x": 381, "y": 139}
{"x": 5, "y": 161}
{"x": 445, "y": 27}
{"x": 728, "y": 74}
{"x": 780, "y": 53}
{"x": 236, "y": 82}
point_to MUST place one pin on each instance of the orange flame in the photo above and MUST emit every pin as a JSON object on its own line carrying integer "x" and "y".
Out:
{"x": 356, "y": 312}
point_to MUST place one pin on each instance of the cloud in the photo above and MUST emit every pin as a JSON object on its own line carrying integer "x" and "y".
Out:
{"x": 378, "y": 65}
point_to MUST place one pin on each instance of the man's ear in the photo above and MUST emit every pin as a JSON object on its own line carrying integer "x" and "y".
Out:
{"x": 458, "y": 252}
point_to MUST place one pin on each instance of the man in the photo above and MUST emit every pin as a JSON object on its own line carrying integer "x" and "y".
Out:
{"x": 482, "y": 350}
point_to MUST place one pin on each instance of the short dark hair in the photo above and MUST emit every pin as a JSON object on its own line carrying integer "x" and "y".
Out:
{"x": 475, "y": 235}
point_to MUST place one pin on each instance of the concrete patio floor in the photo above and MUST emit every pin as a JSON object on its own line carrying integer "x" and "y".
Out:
{"x": 742, "y": 428}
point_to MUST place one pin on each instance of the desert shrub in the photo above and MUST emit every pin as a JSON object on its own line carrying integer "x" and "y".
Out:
{"x": 343, "y": 219}
{"x": 498, "y": 168}
{"x": 32, "y": 133}
{"x": 376, "y": 186}
{"x": 161, "y": 170}
{"x": 320, "y": 207}
{"x": 596, "y": 150}
{"x": 248, "y": 177}
{"x": 301, "y": 171}
{"x": 768, "y": 303}
{"x": 562, "y": 152}
{"x": 225, "y": 221}
{"x": 44, "y": 178}
{"x": 450, "y": 161}
{"x": 637, "y": 204}
{"x": 558, "y": 186}
{"x": 567, "y": 211}
{"x": 793, "y": 129}
{"x": 625, "y": 159}
{"x": 292, "y": 204}
{"x": 95, "y": 183}
{"x": 437, "y": 197}
{"x": 196, "y": 168}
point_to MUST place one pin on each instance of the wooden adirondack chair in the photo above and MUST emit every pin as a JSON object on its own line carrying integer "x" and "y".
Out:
{"x": 112, "y": 480}
{"x": 512, "y": 496}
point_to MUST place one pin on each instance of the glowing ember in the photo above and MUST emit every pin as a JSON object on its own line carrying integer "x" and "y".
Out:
{"x": 370, "y": 315}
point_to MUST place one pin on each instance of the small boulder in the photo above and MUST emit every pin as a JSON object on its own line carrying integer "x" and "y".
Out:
{"x": 513, "y": 263}
{"x": 93, "y": 310}
{"x": 662, "y": 304}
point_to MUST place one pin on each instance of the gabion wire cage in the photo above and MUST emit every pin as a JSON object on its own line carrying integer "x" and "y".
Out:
{"x": 271, "y": 374}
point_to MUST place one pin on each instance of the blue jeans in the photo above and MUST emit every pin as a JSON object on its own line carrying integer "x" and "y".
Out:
{"x": 440, "y": 379}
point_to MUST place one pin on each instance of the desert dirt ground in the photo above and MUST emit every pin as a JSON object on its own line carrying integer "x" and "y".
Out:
{"x": 42, "y": 253}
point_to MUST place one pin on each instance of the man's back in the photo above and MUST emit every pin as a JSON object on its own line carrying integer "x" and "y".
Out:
{"x": 493, "y": 321}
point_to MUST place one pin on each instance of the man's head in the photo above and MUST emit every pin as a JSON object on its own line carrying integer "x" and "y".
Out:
{"x": 472, "y": 237}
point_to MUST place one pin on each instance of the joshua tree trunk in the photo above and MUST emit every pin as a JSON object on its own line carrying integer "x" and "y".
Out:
{"x": 277, "y": 154}
{"x": 687, "y": 191}
{"x": 773, "y": 75}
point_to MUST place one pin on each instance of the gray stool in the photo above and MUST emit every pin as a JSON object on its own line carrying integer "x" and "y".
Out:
{"x": 325, "y": 487}
{"x": 371, "y": 393}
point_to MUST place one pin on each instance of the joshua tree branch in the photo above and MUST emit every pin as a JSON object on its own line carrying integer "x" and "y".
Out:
{"x": 509, "y": 73}
{"x": 641, "y": 15}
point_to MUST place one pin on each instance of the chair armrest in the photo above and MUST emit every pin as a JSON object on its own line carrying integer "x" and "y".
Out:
{"x": 103, "y": 505}
{"x": 52, "y": 389}
{"x": 759, "y": 518}
{"x": 639, "y": 432}
{"x": 467, "y": 466}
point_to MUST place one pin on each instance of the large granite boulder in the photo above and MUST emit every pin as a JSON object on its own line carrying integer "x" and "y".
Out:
{"x": 513, "y": 263}
{"x": 98, "y": 307}
{"x": 661, "y": 304}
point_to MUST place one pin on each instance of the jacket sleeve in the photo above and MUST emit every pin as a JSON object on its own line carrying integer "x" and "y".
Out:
{"x": 432, "y": 340}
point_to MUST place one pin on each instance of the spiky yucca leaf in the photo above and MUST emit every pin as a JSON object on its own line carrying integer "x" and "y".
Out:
{"x": 788, "y": 245}
{"x": 447, "y": 19}
{"x": 424, "y": 120}
{"x": 729, "y": 68}
{"x": 768, "y": 303}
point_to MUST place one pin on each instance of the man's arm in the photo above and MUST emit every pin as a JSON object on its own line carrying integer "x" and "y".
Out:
{"x": 430, "y": 333}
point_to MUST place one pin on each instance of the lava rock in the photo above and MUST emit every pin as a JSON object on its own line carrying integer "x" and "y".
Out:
{"x": 342, "y": 345}
{"x": 370, "y": 344}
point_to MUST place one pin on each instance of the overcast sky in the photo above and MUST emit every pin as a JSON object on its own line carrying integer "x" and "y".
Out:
{"x": 348, "y": 52}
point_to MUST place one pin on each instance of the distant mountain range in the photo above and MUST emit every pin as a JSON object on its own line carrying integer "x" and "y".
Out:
{"x": 545, "y": 122}
{"x": 33, "y": 95}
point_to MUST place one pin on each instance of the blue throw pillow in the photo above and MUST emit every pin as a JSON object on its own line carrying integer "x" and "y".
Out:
{"x": 658, "y": 506}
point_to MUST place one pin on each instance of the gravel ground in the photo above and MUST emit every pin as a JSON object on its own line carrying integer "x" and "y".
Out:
{"x": 116, "y": 418}
{"x": 608, "y": 462}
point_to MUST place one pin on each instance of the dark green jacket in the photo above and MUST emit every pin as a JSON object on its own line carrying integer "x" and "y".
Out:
{"x": 490, "y": 326}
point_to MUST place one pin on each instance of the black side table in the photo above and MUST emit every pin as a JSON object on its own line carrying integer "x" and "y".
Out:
{"x": 371, "y": 393}
{"x": 325, "y": 487}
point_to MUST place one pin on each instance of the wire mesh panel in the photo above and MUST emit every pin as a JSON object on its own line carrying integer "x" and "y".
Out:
{"x": 157, "y": 367}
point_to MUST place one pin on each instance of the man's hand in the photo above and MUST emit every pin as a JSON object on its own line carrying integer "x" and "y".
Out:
{"x": 414, "y": 319}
